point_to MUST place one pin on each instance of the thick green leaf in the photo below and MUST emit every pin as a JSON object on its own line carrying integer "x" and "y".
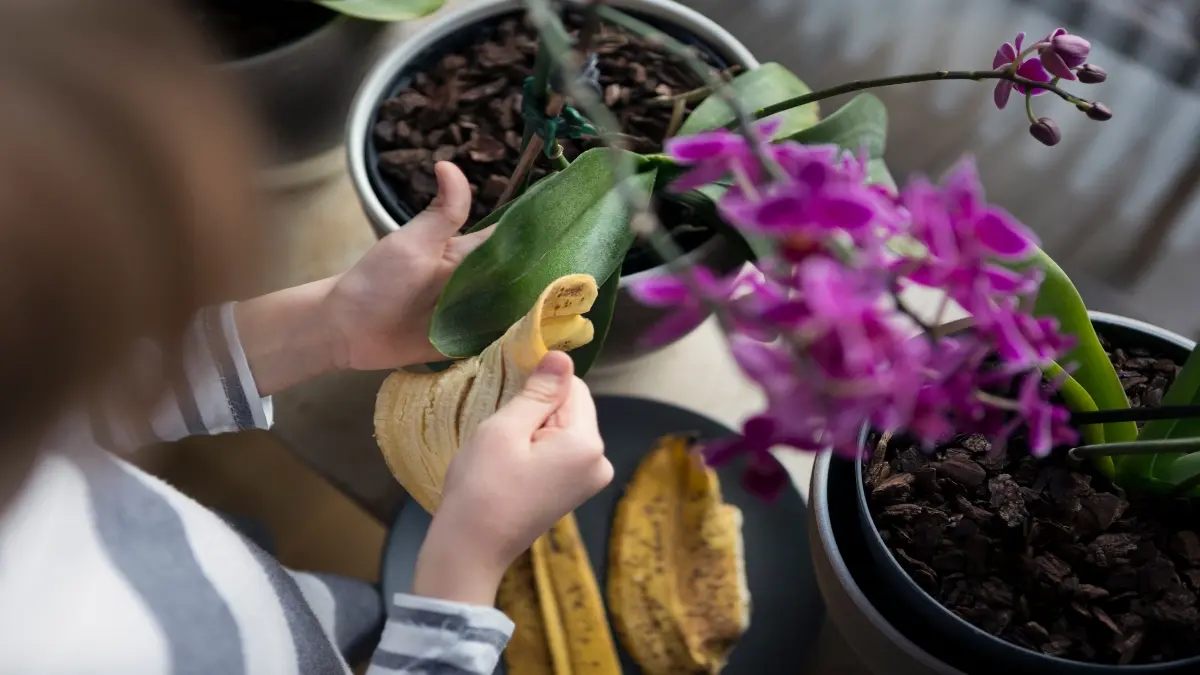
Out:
{"x": 574, "y": 222}
{"x": 766, "y": 85}
{"x": 382, "y": 10}
{"x": 1175, "y": 467}
{"x": 1059, "y": 298}
{"x": 1185, "y": 390}
{"x": 861, "y": 123}
{"x": 1079, "y": 400}
{"x": 601, "y": 316}
{"x": 878, "y": 174}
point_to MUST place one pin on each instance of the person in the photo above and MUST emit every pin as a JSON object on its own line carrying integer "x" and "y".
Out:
{"x": 126, "y": 221}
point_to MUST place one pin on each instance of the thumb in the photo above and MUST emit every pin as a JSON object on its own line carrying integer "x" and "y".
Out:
{"x": 544, "y": 392}
{"x": 448, "y": 212}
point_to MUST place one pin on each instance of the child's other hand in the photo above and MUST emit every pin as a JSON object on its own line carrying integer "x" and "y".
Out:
{"x": 533, "y": 462}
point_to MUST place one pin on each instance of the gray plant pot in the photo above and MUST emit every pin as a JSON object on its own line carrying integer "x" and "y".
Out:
{"x": 631, "y": 319}
{"x": 929, "y": 635}
{"x": 300, "y": 93}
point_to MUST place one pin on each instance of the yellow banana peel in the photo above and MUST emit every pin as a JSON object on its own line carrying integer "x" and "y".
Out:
{"x": 676, "y": 575}
{"x": 421, "y": 419}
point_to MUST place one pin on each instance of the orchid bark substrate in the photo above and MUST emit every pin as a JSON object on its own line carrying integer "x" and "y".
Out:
{"x": 820, "y": 327}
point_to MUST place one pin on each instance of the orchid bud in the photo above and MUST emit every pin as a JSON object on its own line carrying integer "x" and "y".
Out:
{"x": 1045, "y": 130}
{"x": 1090, "y": 73}
{"x": 1099, "y": 112}
{"x": 1065, "y": 53}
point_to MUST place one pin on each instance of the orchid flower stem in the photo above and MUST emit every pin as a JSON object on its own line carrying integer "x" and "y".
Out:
{"x": 1174, "y": 412}
{"x": 935, "y": 76}
{"x": 1029, "y": 107}
{"x": 559, "y": 160}
{"x": 1181, "y": 445}
{"x": 712, "y": 78}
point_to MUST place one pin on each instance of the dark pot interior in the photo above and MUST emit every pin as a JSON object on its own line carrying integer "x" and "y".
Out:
{"x": 247, "y": 28}
{"x": 947, "y": 632}
{"x": 639, "y": 257}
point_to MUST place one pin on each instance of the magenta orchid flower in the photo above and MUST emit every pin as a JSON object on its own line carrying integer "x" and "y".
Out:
{"x": 1031, "y": 69}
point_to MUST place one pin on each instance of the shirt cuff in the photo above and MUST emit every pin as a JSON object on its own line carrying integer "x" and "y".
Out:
{"x": 428, "y": 635}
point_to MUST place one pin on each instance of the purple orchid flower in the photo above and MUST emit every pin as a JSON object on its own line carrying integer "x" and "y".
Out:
{"x": 1031, "y": 69}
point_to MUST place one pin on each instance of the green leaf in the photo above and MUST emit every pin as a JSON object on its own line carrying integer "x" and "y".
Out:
{"x": 766, "y": 85}
{"x": 573, "y": 222}
{"x": 601, "y": 316}
{"x": 878, "y": 174}
{"x": 861, "y": 123}
{"x": 1059, "y": 298}
{"x": 1185, "y": 390}
{"x": 383, "y": 10}
{"x": 1079, "y": 400}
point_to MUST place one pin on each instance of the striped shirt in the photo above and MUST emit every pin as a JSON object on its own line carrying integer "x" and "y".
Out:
{"x": 106, "y": 569}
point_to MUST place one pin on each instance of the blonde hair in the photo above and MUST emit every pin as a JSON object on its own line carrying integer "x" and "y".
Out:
{"x": 126, "y": 197}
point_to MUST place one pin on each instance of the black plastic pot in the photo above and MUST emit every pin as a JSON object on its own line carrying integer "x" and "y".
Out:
{"x": 300, "y": 92}
{"x": 387, "y": 212}
{"x": 985, "y": 652}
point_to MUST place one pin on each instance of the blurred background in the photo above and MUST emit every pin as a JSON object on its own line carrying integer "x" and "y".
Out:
{"x": 1115, "y": 203}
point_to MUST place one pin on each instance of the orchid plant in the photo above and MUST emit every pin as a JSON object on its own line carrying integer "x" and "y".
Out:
{"x": 820, "y": 325}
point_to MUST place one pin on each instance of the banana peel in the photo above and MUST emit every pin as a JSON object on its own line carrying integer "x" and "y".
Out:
{"x": 676, "y": 577}
{"x": 421, "y": 419}
{"x": 552, "y": 595}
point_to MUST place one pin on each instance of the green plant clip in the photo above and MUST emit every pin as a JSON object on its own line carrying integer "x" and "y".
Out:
{"x": 567, "y": 124}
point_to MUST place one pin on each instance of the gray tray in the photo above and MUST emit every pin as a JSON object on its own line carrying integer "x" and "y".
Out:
{"x": 787, "y": 611}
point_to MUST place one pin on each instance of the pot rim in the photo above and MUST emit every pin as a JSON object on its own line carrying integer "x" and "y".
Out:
{"x": 379, "y": 81}
{"x": 285, "y": 51}
{"x": 876, "y": 541}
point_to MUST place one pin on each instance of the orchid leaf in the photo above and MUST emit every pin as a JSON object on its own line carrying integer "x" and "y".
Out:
{"x": 1079, "y": 400}
{"x": 601, "y": 316}
{"x": 878, "y": 174}
{"x": 859, "y": 125}
{"x": 383, "y": 10}
{"x": 573, "y": 222}
{"x": 768, "y": 84}
{"x": 1185, "y": 390}
{"x": 1058, "y": 298}
{"x": 1176, "y": 467}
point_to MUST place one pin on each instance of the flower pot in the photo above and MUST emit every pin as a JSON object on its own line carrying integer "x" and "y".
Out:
{"x": 299, "y": 79}
{"x": 876, "y": 625}
{"x": 997, "y": 654}
{"x": 387, "y": 211}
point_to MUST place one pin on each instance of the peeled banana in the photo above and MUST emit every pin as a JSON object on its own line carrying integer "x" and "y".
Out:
{"x": 421, "y": 419}
{"x": 676, "y": 576}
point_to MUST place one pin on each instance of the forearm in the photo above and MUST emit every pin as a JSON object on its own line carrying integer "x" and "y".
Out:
{"x": 287, "y": 336}
{"x": 449, "y": 567}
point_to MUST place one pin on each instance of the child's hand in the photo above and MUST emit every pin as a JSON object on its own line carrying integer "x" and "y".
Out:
{"x": 380, "y": 309}
{"x": 533, "y": 462}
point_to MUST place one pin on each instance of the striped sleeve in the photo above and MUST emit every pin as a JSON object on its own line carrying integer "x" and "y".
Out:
{"x": 214, "y": 394}
{"x": 424, "y": 635}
